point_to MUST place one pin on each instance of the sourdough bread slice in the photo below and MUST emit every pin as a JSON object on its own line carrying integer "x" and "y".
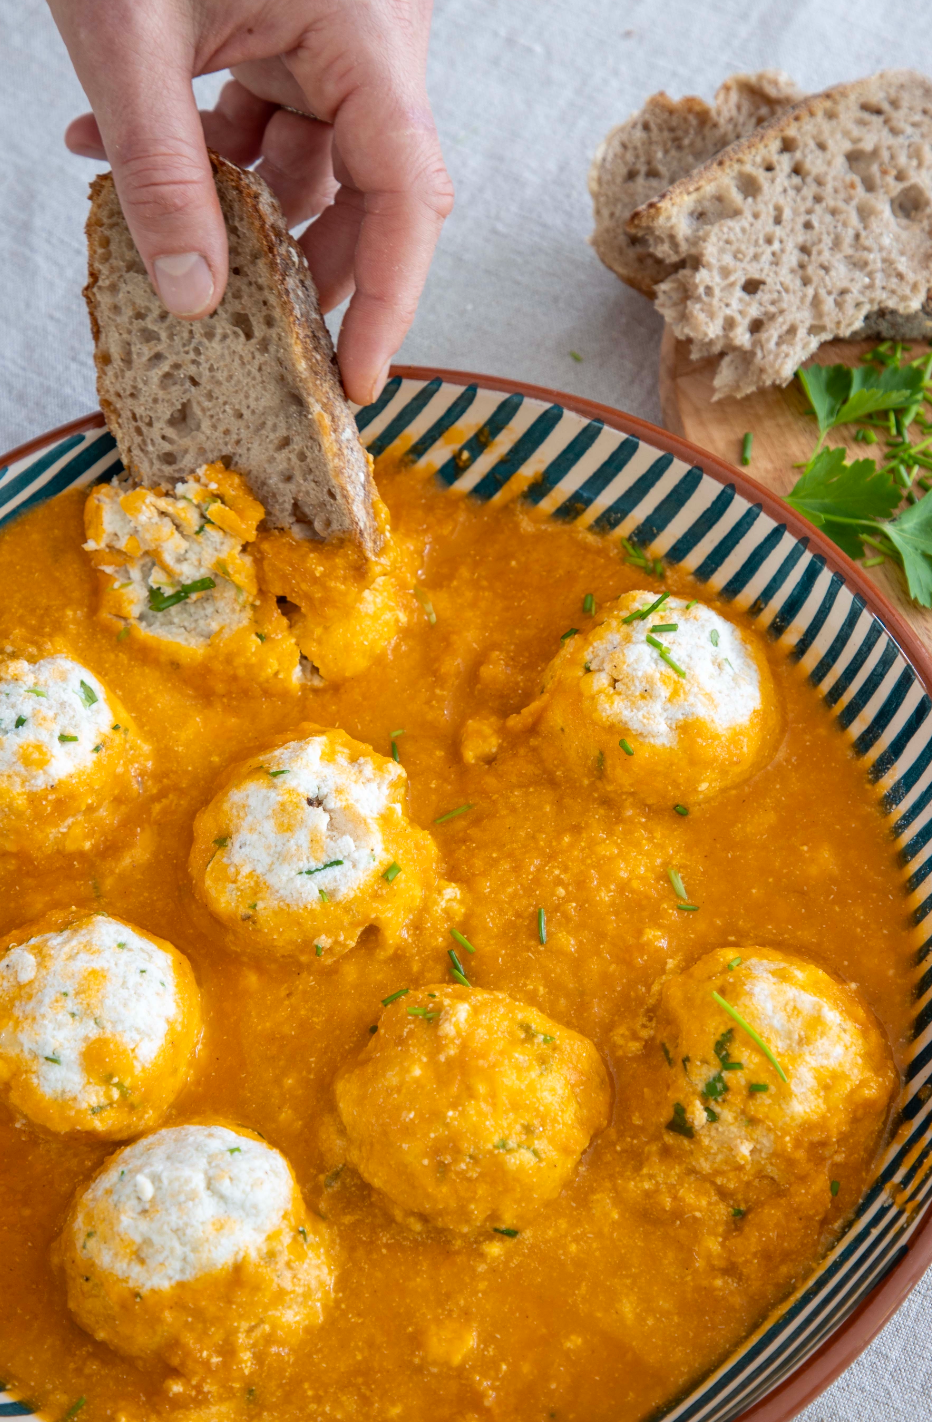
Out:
{"x": 664, "y": 141}
{"x": 256, "y": 384}
{"x": 794, "y": 234}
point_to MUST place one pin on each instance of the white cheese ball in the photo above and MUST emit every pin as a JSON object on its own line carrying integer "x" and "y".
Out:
{"x": 194, "y": 1245}
{"x": 749, "y": 1124}
{"x": 98, "y": 1025}
{"x": 68, "y": 751}
{"x": 674, "y": 705}
{"x": 307, "y": 843}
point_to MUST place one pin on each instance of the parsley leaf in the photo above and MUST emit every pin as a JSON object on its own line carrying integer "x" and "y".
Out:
{"x": 839, "y": 394}
{"x": 911, "y": 536}
{"x": 834, "y": 495}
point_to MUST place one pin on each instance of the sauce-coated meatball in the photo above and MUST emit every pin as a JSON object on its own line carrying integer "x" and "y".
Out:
{"x": 470, "y": 1108}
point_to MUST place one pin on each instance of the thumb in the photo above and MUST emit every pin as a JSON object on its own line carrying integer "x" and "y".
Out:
{"x": 144, "y": 105}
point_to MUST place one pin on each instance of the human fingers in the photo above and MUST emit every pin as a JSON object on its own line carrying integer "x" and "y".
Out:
{"x": 135, "y": 64}
{"x": 236, "y": 125}
{"x": 297, "y": 164}
{"x": 82, "y": 136}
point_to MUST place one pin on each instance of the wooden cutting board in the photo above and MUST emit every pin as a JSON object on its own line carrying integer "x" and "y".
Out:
{"x": 783, "y": 435}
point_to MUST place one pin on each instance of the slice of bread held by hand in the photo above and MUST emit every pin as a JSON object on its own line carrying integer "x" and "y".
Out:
{"x": 664, "y": 141}
{"x": 792, "y": 235}
{"x": 256, "y": 384}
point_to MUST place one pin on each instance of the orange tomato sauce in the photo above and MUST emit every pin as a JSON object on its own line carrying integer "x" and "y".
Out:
{"x": 602, "y": 1308}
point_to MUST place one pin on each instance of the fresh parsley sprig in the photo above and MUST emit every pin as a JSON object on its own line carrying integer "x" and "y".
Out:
{"x": 859, "y": 505}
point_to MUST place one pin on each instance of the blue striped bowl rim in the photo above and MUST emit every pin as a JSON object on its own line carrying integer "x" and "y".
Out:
{"x": 577, "y": 462}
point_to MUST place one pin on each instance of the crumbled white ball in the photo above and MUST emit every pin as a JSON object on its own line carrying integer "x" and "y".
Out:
{"x": 183, "y": 1202}
{"x": 61, "y": 991}
{"x": 56, "y": 711}
{"x": 633, "y": 686}
{"x": 310, "y": 822}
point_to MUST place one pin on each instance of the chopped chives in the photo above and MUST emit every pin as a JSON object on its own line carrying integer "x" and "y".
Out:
{"x": 508, "y": 1233}
{"x": 691, "y": 603}
{"x": 588, "y": 604}
{"x": 122, "y": 634}
{"x": 319, "y": 949}
{"x": 424, "y": 1012}
{"x": 395, "y": 755}
{"x": 666, "y": 1052}
{"x": 570, "y": 632}
{"x": 222, "y": 841}
{"x": 330, "y": 864}
{"x": 625, "y": 747}
{"x": 665, "y": 627}
{"x": 160, "y": 601}
{"x": 835, "y": 1186}
{"x": 394, "y": 996}
{"x": 659, "y": 647}
{"x": 393, "y": 735}
{"x": 88, "y": 695}
{"x": 713, "y": 636}
{"x": 458, "y": 971}
{"x": 63, "y": 738}
{"x": 735, "y": 963}
{"x": 452, "y": 814}
{"x": 681, "y": 810}
{"x": 427, "y": 605}
{"x": 754, "y": 1036}
{"x": 324, "y": 896}
{"x": 276, "y": 773}
{"x": 678, "y": 1123}
{"x": 758, "y": 1086}
{"x": 392, "y": 871}
{"x": 20, "y": 721}
{"x": 746, "y": 448}
{"x": 644, "y": 612}
{"x": 541, "y": 925}
{"x": 34, "y": 691}
{"x": 737, "y": 1212}
{"x": 689, "y": 908}
{"x": 463, "y": 942}
{"x": 677, "y": 882}
{"x": 76, "y": 1406}
{"x": 373, "y": 1029}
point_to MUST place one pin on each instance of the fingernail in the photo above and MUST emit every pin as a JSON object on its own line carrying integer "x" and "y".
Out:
{"x": 184, "y": 283}
{"x": 379, "y": 382}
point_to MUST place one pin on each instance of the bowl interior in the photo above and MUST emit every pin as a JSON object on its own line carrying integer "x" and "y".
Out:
{"x": 603, "y": 471}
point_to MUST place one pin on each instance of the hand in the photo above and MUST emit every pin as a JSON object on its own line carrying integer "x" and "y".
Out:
{"x": 362, "y": 151}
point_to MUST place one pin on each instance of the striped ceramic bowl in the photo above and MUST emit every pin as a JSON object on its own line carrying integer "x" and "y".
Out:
{"x": 597, "y": 468}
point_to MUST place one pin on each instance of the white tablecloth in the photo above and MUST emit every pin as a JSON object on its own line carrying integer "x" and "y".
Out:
{"x": 523, "y": 91}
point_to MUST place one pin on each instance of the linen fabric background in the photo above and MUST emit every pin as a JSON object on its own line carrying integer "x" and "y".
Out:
{"x": 523, "y": 91}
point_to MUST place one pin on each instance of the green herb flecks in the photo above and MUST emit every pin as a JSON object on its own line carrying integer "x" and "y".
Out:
{"x": 65, "y": 739}
{"x": 643, "y": 613}
{"x": 88, "y": 695}
{"x": 588, "y": 604}
{"x": 457, "y": 971}
{"x": 674, "y": 877}
{"x": 678, "y": 1122}
{"x": 394, "y": 996}
{"x": 625, "y": 747}
{"x": 737, "y": 1212}
{"x": 835, "y": 1187}
{"x": 758, "y": 1086}
{"x": 692, "y": 603}
{"x": 754, "y": 1036}
{"x": 74, "y": 1409}
{"x": 735, "y": 963}
{"x": 56, "y": 1060}
{"x": 330, "y": 864}
{"x": 666, "y": 1053}
{"x": 681, "y": 810}
{"x": 541, "y": 926}
{"x": 452, "y": 814}
{"x": 665, "y": 654}
{"x": 746, "y": 445}
{"x": 160, "y": 601}
{"x": 392, "y": 872}
{"x": 276, "y": 773}
{"x": 427, "y": 605}
{"x": 570, "y": 632}
{"x": 319, "y": 949}
{"x": 20, "y": 721}
{"x": 510, "y": 1233}
{"x": 222, "y": 841}
{"x": 424, "y": 1012}
{"x": 393, "y": 737}
{"x": 34, "y": 691}
{"x": 665, "y": 627}
{"x": 461, "y": 940}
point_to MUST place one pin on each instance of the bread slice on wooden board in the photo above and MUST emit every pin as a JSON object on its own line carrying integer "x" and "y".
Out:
{"x": 256, "y": 384}
{"x": 664, "y": 141}
{"x": 792, "y": 235}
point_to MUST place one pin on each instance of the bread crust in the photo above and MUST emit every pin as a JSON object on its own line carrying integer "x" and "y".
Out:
{"x": 324, "y": 486}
